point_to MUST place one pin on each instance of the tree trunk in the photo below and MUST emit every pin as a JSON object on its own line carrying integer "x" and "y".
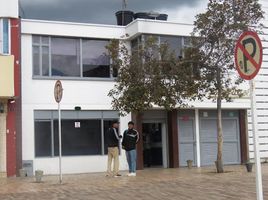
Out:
{"x": 219, "y": 162}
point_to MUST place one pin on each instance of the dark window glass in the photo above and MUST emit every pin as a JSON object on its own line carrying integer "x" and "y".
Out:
{"x": 83, "y": 140}
{"x": 36, "y": 60}
{"x": 45, "y": 40}
{"x": 153, "y": 46}
{"x": 45, "y": 61}
{"x": 174, "y": 44}
{"x": 43, "y": 139}
{"x": 134, "y": 44}
{"x": 36, "y": 39}
{"x": 5, "y": 36}
{"x": 106, "y": 125}
{"x": 65, "y": 59}
{"x": 96, "y": 62}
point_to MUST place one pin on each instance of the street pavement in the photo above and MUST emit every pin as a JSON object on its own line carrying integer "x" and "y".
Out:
{"x": 162, "y": 184}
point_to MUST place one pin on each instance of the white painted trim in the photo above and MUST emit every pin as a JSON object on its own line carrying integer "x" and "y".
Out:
{"x": 197, "y": 138}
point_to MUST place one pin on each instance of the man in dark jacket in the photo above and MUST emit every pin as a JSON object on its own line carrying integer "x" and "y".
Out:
{"x": 113, "y": 139}
{"x": 130, "y": 139}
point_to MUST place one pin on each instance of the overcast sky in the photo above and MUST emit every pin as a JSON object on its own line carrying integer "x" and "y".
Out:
{"x": 103, "y": 11}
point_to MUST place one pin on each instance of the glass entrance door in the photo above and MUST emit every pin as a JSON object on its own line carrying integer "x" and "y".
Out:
{"x": 152, "y": 144}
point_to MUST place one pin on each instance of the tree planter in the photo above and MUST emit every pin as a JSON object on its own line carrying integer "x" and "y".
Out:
{"x": 249, "y": 166}
{"x": 219, "y": 167}
{"x": 189, "y": 164}
{"x": 38, "y": 176}
{"x": 22, "y": 173}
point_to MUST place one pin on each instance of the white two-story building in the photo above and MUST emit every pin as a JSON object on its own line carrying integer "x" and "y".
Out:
{"x": 75, "y": 53}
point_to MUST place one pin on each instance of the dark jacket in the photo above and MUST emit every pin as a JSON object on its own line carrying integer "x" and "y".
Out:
{"x": 112, "y": 137}
{"x": 130, "y": 139}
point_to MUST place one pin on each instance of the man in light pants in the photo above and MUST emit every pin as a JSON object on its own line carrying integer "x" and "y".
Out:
{"x": 113, "y": 139}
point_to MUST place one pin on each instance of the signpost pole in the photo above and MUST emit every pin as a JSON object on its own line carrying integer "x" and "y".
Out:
{"x": 256, "y": 142}
{"x": 248, "y": 60}
{"x": 58, "y": 91}
{"x": 60, "y": 153}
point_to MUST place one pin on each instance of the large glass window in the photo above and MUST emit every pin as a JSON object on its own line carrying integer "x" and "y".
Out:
{"x": 174, "y": 44}
{"x": 36, "y": 60}
{"x": 71, "y": 57}
{"x": 43, "y": 139}
{"x": 79, "y": 136}
{"x": 6, "y": 36}
{"x": 96, "y": 62}
{"x": 41, "y": 56}
{"x": 65, "y": 60}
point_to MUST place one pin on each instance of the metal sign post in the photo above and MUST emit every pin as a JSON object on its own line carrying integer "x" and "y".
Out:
{"x": 58, "y": 91}
{"x": 248, "y": 60}
{"x": 60, "y": 153}
{"x": 256, "y": 141}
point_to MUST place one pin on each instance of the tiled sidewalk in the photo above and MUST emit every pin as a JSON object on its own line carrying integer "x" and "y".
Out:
{"x": 155, "y": 184}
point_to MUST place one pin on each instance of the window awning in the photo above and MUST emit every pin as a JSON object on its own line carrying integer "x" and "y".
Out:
{"x": 6, "y": 76}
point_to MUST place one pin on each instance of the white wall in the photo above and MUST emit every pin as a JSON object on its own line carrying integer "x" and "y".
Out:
{"x": 261, "y": 94}
{"x": 9, "y": 8}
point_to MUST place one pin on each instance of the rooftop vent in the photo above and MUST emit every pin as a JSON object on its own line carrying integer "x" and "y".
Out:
{"x": 124, "y": 17}
{"x": 151, "y": 15}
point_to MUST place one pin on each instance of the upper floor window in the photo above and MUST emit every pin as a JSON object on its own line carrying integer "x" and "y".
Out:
{"x": 71, "y": 57}
{"x": 175, "y": 43}
{"x": 4, "y": 36}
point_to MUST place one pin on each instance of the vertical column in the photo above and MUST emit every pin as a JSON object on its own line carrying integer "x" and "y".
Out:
{"x": 173, "y": 139}
{"x": 243, "y": 136}
{"x": 197, "y": 138}
{"x": 137, "y": 119}
{"x": 14, "y": 137}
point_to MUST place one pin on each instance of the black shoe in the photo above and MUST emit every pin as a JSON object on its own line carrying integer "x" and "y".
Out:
{"x": 117, "y": 175}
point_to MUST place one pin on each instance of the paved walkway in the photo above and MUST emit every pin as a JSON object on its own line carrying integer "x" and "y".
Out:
{"x": 162, "y": 184}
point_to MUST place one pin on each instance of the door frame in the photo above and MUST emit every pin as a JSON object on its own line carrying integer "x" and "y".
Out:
{"x": 164, "y": 139}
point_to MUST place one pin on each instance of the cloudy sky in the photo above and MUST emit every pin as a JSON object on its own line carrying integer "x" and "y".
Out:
{"x": 103, "y": 11}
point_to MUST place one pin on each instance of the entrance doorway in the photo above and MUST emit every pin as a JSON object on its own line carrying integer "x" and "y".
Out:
{"x": 154, "y": 144}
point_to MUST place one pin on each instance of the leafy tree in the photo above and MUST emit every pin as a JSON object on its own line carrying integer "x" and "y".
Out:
{"x": 214, "y": 36}
{"x": 151, "y": 75}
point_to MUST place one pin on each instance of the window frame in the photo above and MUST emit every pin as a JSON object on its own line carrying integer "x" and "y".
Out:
{"x": 81, "y": 77}
{"x": 2, "y": 37}
{"x": 50, "y": 116}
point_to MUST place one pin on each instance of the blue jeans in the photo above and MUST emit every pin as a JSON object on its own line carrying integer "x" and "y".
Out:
{"x": 131, "y": 160}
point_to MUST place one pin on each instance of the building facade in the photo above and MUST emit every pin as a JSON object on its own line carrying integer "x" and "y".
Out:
{"x": 75, "y": 54}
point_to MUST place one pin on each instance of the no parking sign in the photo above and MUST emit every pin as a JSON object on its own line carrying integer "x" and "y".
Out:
{"x": 248, "y": 55}
{"x": 248, "y": 60}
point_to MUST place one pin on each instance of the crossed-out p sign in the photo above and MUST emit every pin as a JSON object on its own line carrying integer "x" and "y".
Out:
{"x": 248, "y": 55}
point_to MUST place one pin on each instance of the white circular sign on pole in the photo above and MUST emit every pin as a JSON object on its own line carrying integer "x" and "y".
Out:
{"x": 58, "y": 91}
